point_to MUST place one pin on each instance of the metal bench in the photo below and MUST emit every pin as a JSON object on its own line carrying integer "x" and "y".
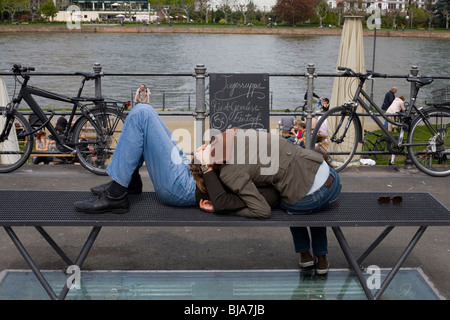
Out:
{"x": 54, "y": 208}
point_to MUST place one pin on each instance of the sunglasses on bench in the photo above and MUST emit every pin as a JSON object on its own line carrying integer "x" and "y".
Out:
{"x": 384, "y": 201}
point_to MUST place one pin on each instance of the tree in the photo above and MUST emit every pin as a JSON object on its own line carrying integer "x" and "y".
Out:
{"x": 443, "y": 10}
{"x": 294, "y": 10}
{"x": 12, "y": 6}
{"x": 245, "y": 8}
{"x": 225, "y": 7}
{"x": 48, "y": 10}
{"x": 321, "y": 11}
{"x": 204, "y": 7}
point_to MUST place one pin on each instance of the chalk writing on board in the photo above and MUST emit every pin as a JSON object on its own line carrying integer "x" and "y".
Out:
{"x": 239, "y": 100}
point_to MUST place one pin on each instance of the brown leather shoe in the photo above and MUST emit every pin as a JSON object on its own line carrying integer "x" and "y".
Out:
{"x": 306, "y": 260}
{"x": 322, "y": 264}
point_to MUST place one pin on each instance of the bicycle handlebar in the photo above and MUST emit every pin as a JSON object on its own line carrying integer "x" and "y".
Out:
{"x": 18, "y": 69}
{"x": 369, "y": 74}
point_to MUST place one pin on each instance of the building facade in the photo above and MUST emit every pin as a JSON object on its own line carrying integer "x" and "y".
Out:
{"x": 105, "y": 10}
{"x": 382, "y": 4}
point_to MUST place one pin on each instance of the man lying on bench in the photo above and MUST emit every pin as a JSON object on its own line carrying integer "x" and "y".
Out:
{"x": 301, "y": 177}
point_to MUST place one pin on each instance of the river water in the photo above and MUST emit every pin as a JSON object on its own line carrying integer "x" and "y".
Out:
{"x": 121, "y": 53}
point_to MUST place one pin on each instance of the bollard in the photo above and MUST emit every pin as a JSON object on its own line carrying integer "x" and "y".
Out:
{"x": 310, "y": 74}
{"x": 200, "y": 106}
{"x": 98, "y": 81}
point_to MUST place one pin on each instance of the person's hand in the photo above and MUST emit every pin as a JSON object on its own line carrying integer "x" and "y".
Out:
{"x": 203, "y": 154}
{"x": 206, "y": 205}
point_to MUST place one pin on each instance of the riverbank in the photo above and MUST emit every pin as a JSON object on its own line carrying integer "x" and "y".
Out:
{"x": 115, "y": 28}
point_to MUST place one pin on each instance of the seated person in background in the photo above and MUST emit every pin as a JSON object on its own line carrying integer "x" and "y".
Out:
{"x": 42, "y": 144}
{"x": 287, "y": 124}
{"x": 398, "y": 105}
{"x": 300, "y": 137}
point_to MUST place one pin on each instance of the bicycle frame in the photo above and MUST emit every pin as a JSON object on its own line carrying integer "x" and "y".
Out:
{"x": 26, "y": 93}
{"x": 357, "y": 98}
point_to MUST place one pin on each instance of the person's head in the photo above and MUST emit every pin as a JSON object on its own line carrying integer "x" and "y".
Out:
{"x": 59, "y": 129}
{"x": 301, "y": 125}
{"x": 287, "y": 110}
{"x": 40, "y": 135}
{"x": 394, "y": 90}
{"x": 143, "y": 87}
{"x": 402, "y": 98}
{"x": 326, "y": 104}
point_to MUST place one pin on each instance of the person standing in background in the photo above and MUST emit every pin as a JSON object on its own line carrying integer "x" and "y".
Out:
{"x": 389, "y": 98}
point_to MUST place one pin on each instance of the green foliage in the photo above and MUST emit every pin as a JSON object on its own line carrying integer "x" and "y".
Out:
{"x": 48, "y": 9}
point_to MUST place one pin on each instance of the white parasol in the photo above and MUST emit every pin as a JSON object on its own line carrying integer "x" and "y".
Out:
{"x": 351, "y": 55}
{"x": 12, "y": 142}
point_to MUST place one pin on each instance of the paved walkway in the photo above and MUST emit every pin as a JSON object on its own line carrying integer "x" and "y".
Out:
{"x": 193, "y": 248}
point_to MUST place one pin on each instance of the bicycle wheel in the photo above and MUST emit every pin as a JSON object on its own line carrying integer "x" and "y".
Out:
{"x": 16, "y": 148}
{"x": 429, "y": 152}
{"x": 340, "y": 144}
{"x": 97, "y": 147}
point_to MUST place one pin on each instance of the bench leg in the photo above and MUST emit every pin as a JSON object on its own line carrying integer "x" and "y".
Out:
{"x": 374, "y": 244}
{"x": 54, "y": 245}
{"x": 81, "y": 257}
{"x": 352, "y": 261}
{"x": 31, "y": 263}
{"x": 400, "y": 261}
{"x": 354, "y": 265}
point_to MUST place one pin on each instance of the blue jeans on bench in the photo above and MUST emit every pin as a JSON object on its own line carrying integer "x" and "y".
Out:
{"x": 145, "y": 137}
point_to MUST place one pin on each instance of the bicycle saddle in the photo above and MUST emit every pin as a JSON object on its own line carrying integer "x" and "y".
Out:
{"x": 421, "y": 81}
{"x": 88, "y": 75}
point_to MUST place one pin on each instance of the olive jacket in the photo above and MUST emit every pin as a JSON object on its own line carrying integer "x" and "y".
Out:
{"x": 259, "y": 159}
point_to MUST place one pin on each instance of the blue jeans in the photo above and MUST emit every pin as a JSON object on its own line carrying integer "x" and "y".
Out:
{"x": 313, "y": 202}
{"x": 145, "y": 137}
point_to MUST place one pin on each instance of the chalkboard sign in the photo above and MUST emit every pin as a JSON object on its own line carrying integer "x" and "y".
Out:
{"x": 239, "y": 100}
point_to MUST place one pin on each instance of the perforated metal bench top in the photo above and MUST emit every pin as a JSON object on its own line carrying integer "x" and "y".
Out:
{"x": 55, "y": 208}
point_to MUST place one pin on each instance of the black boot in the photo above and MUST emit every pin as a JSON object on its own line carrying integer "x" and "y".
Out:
{"x": 104, "y": 203}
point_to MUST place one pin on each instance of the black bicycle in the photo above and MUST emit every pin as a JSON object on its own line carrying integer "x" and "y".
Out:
{"x": 427, "y": 142}
{"x": 92, "y": 137}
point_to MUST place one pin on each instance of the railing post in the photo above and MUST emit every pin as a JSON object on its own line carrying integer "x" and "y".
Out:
{"x": 310, "y": 74}
{"x": 98, "y": 81}
{"x": 200, "y": 106}
{"x": 414, "y": 72}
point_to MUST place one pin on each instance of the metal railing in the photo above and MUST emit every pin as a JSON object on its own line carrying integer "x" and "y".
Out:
{"x": 199, "y": 106}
